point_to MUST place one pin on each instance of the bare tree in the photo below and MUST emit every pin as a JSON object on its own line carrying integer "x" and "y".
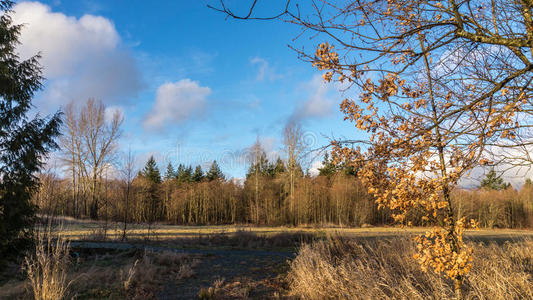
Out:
{"x": 89, "y": 146}
{"x": 100, "y": 138}
{"x": 256, "y": 151}
{"x": 128, "y": 174}
{"x": 73, "y": 155}
{"x": 294, "y": 148}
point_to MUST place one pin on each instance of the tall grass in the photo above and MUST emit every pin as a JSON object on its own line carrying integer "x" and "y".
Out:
{"x": 347, "y": 269}
{"x": 47, "y": 267}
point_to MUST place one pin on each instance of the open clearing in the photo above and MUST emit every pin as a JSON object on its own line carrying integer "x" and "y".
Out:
{"x": 79, "y": 230}
{"x": 191, "y": 262}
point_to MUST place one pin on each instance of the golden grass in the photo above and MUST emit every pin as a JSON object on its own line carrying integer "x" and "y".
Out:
{"x": 92, "y": 230}
{"x": 47, "y": 267}
{"x": 346, "y": 269}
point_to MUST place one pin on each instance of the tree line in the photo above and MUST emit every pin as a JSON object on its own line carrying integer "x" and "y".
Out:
{"x": 269, "y": 195}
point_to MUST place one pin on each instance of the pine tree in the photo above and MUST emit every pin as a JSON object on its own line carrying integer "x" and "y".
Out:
{"x": 328, "y": 167}
{"x": 198, "y": 174}
{"x": 151, "y": 172}
{"x": 23, "y": 142}
{"x": 181, "y": 174}
{"x": 214, "y": 172}
{"x": 170, "y": 174}
{"x": 262, "y": 166}
{"x": 493, "y": 182}
{"x": 152, "y": 202}
{"x": 188, "y": 174}
{"x": 279, "y": 167}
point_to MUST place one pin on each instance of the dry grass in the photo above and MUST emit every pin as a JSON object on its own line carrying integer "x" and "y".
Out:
{"x": 114, "y": 275}
{"x": 47, "y": 267}
{"x": 87, "y": 230}
{"x": 146, "y": 276}
{"x": 242, "y": 288}
{"x": 138, "y": 275}
{"x": 347, "y": 269}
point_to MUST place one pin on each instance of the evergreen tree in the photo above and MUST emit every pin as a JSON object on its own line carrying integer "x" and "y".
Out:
{"x": 181, "y": 174}
{"x": 152, "y": 201}
{"x": 188, "y": 174}
{"x": 349, "y": 170}
{"x": 170, "y": 174}
{"x": 328, "y": 167}
{"x": 151, "y": 172}
{"x": 214, "y": 172}
{"x": 23, "y": 142}
{"x": 270, "y": 169}
{"x": 528, "y": 182}
{"x": 262, "y": 166}
{"x": 279, "y": 167}
{"x": 494, "y": 182}
{"x": 198, "y": 174}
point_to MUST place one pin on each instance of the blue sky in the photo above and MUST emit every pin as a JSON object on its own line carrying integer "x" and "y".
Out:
{"x": 193, "y": 85}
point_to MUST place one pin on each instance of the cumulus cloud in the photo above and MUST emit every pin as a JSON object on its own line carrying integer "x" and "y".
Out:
{"x": 314, "y": 169}
{"x": 318, "y": 104}
{"x": 177, "y": 102}
{"x": 82, "y": 57}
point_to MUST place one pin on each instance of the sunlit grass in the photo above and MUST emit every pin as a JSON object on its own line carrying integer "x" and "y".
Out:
{"x": 77, "y": 230}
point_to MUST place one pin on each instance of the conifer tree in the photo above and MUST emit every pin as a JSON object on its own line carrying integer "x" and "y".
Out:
{"x": 198, "y": 174}
{"x": 151, "y": 172}
{"x": 188, "y": 174}
{"x": 214, "y": 172}
{"x": 24, "y": 142}
{"x": 328, "y": 167}
{"x": 493, "y": 182}
{"x": 170, "y": 174}
{"x": 152, "y": 201}
{"x": 279, "y": 167}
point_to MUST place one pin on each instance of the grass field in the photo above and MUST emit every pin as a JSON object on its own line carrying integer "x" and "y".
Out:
{"x": 77, "y": 230}
{"x": 244, "y": 262}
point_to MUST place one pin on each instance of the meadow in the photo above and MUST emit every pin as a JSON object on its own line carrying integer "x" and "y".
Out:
{"x": 160, "y": 261}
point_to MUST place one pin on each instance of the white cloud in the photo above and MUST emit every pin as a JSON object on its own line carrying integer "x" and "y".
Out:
{"x": 177, "y": 102}
{"x": 264, "y": 71}
{"x": 314, "y": 170}
{"x": 111, "y": 110}
{"x": 318, "y": 104}
{"x": 82, "y": 57}
{"x": 513, "y": 165}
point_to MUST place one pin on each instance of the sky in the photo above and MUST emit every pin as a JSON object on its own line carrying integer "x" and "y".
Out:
{"x": 193, "y": 85}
